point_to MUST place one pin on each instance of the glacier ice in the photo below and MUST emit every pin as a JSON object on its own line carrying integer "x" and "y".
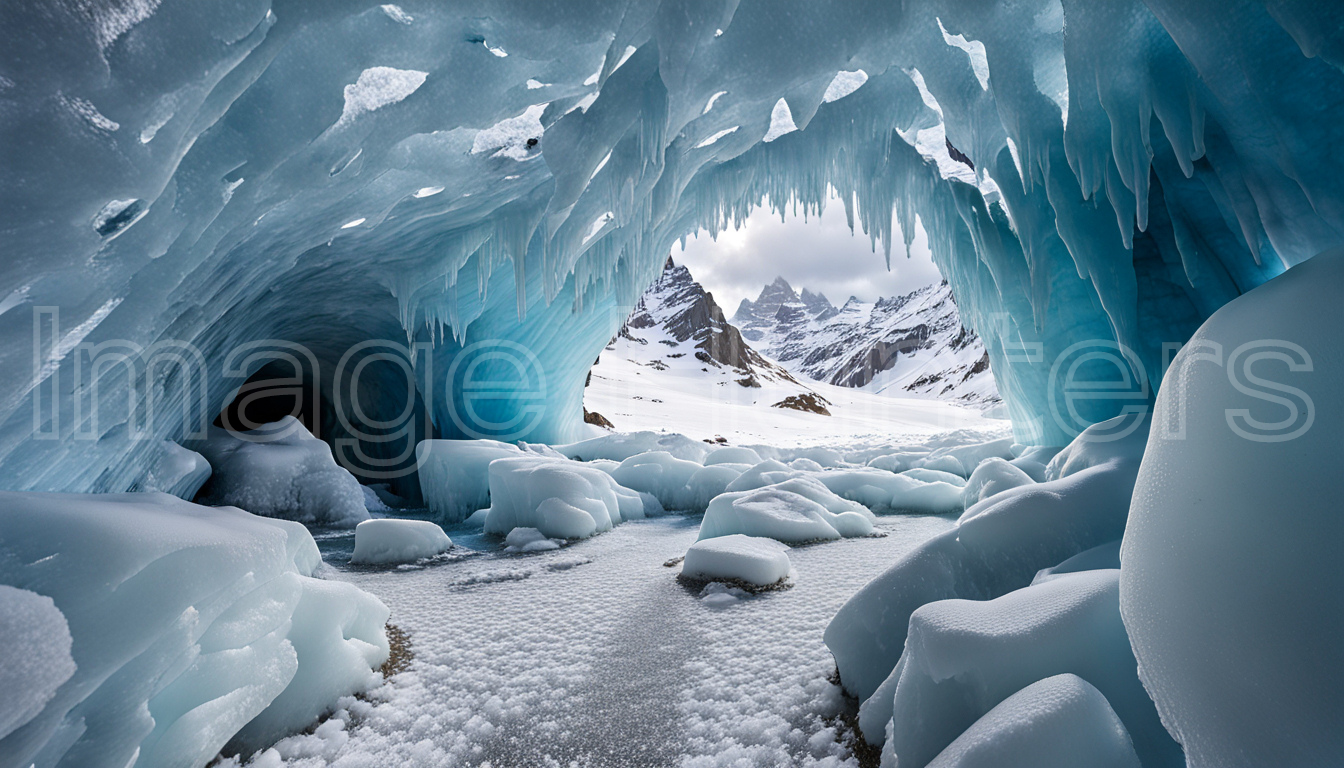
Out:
{"x": 736, "y": 557}
{"x": 562, "y": 499}
{"x": 388, "y": 540}
{"x": 1135, "y": 167}
{"x": 998, "y": 546}
{"x": 186, "y": 625}
{"x": 280, "y": 470}
{"x": 1235, "y": 526}
{"x": 454, "y": 477}
{"x": 991, "y": 476}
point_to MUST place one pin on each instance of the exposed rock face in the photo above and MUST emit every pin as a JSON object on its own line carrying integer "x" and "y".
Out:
{"x": 912, "y": 344}
{"x": 687, "y": 313}
{"x": 812, "y": 403}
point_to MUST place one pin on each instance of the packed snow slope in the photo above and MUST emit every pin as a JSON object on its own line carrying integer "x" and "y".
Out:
{"x": 904, "y": 345}
{"x": 221, "y": 173}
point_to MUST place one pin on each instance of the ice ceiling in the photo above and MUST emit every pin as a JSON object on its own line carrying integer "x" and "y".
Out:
{"x": 207, "y": 174}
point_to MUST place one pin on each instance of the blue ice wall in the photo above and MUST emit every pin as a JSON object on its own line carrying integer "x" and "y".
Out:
{"x": 200, "y": 175}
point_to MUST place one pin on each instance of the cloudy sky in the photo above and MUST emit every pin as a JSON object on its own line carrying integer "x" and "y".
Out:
{"x": 819, "y": 254}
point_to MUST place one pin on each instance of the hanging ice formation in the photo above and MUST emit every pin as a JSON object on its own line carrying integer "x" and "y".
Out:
{"x": 328, "y": 174}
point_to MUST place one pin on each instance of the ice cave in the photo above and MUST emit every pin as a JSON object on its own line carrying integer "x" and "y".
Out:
{"x": 357, "y": 410}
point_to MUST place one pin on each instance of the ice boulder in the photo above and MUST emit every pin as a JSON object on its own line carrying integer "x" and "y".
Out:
{"x": 529, "y": 540}
{"x": 1059, "y": 722}
{"x": 454, "y": 476}
{"x": 177, "y": 471}
{"x": 967, "y": 457}
{"x": 897, "y": 462}
{"x": 386, "y": 540}
{"x": 1232, "y": 576}
{"x": 561, "y": 498}
{"x": 964, "y": 657}
{"x": 280, "y": 470}
{"x": 732, "y": 455}
{"x": 187, "y": 626}
{"x": 992, "y": 476}
{"x": 34, "y": 655}
{"x": 884, "y": 492}
{"x": 659, "y": 474}
{"x": 755, "y": 560}
{"x": 950, "y": 464}
{"x": 998, "y": 546}
{"x": 770, "y": 513}
{"x": 926, "y": 475}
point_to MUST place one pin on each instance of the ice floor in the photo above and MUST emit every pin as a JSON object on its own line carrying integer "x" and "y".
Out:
{"x": 595, "y": 655}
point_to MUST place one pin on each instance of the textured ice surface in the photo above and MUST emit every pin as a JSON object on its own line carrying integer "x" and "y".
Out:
{"x": 991, "y": 476}
{"x": 773, "y": 513}
{"x": 1135, "y": 167}
{"x": 1059, "y": 722}
{"x": 755, "y": 560}
{"x": 188, "y": 624}
{"x": 386, "y": 540}
{"x": 998, "y": 546}
{"x": 280, "y": 470}
{"x": 962, "y": 658}
{"x": 176, "y": 471}
{"x": 1234, "y": 526}
{"x": 454, "y": 477}
{"x": 557, "y": 666}
{"x": 561, "y": 498}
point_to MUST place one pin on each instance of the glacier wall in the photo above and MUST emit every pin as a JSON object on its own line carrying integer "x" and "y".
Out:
{"x": 477, "y": 191}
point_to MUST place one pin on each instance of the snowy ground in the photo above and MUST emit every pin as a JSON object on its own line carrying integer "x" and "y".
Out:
{"x": 635, "y": 398}
{"x": 595, "y": 655}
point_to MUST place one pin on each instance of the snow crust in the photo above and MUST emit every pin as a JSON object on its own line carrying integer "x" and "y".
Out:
{"x": 280, "y": 470}
{"x": 386, "y": 540}
{"x": 188, "y": 627}
{"x": 36, "y": 660}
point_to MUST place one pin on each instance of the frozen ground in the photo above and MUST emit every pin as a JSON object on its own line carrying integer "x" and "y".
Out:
{"x": 595, "y": 655}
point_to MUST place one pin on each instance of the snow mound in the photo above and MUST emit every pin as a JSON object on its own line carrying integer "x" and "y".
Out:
{"x": 662, "y": 475}
{"x": 767, "y": 472}
{"x": 36, "y": 658}
{"x": 752, "y": 559}
{"x": 998, "y": 546}
{"x": 992, "y": 476}
{"x": 280, "y": 470}
{"x": 1058, "y": 722}
{"x": 384, "y": 541}
{"x": 1106, "y": 556}
{"x": 560, "y": 498}
{"x": 454, "y": 477}
{"x": 188, "y": 624}
{"x": 964, "y": 657}
{"x": 884, "y": 492}
{"x": 1232, "y": 578}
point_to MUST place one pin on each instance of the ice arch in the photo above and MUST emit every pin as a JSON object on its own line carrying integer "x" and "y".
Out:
{"x": 217, "y": 173}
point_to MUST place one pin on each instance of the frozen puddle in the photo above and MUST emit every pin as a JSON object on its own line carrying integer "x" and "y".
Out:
{"x": 595, "y": 655}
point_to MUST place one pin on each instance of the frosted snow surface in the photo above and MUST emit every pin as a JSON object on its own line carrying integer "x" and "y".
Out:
{"x": 280, "y": 470}
{"x": 186, "y": 625}
{"x": 563, "y": 650}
